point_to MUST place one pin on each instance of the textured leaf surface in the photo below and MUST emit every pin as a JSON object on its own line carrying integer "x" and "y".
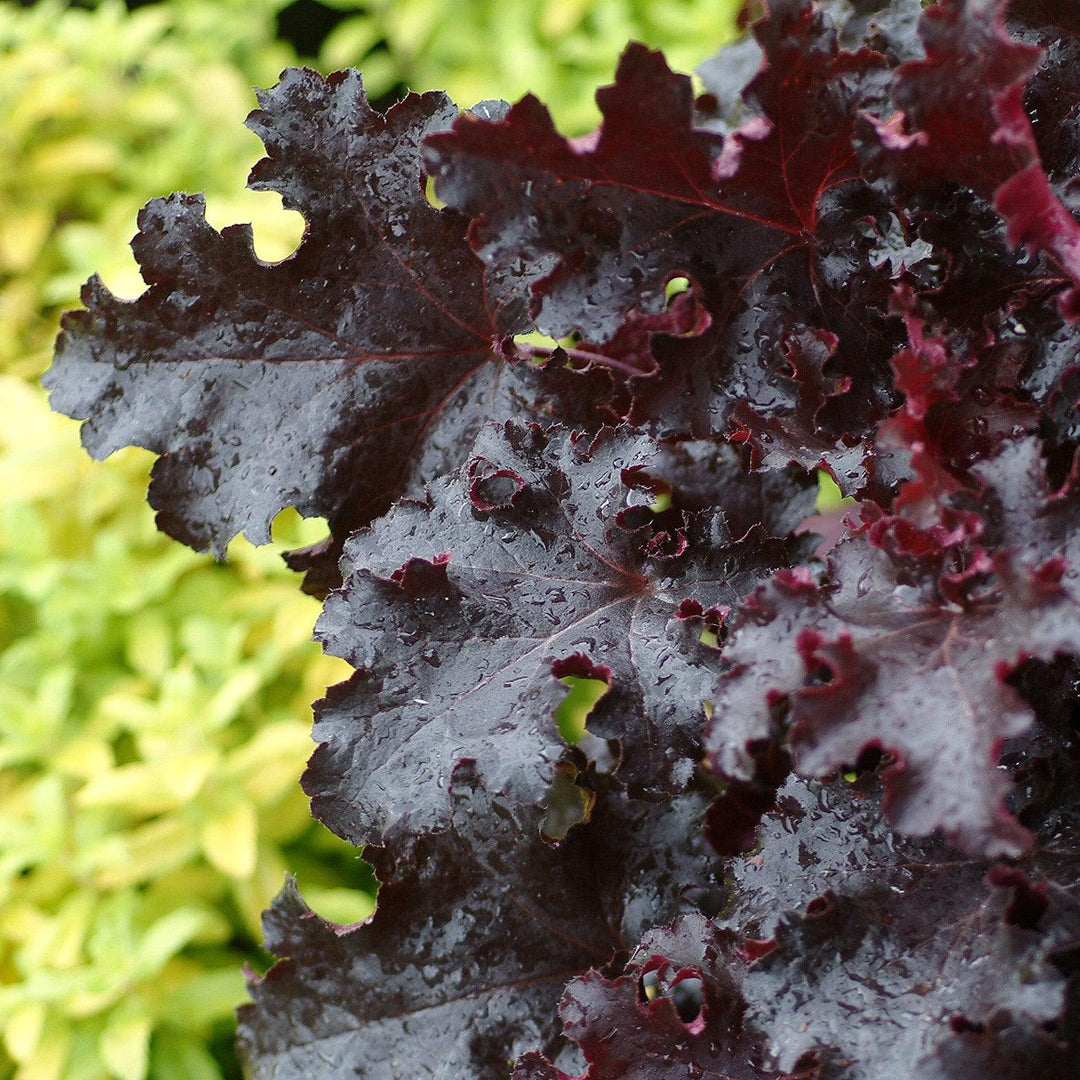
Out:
{"x": 973, "y": 128}
{"x": 605, "y": 222}
{"x": 886, "y": 661}
{"x": 913, "y": 941}
{"x": 458, "y": 970}
{"x": 863, "y": 261}
{"x": 461, "y": 614}
{"x": 677, "y": 1011}
{"x": 309, "y": 382}
{"x": 476, "y": 932}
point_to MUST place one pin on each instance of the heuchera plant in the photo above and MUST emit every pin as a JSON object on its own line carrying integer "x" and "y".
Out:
{"x": 822, "y": 817}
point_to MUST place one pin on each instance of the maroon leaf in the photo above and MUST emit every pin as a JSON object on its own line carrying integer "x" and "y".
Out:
{"x": 797, "y": 436}
{"x": 943, "y": 956}
{"x": 962, "y": 118}
{"x": 457, "y": 612}
{"x": 849, "y": 922}
{"x": 461, "y": 964}
{"x": 340, "y": 358}
{"x": 884, "y": 659}
{"x": 476, "y": 932}
{"x": 677, "y": 1012}
{"x": 590, "y": 232}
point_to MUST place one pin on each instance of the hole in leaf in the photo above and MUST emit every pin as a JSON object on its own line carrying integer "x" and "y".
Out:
{"x": 276, "y": 232}
{"x": 290, "y": 529}
{"x": 829, "y": 496}
{"x": 568, "y": 804}
{"x": 661, "y": 503}
{"x": 646, "y": 491}
{"x": 572, "y": 715}
{"x": 870, "y": 757}
{"x": 496, "y": 491}
{"x": 340, "y": 905}
{"x": 688, "y": 997}
{"x": 538, "y": 348}
{"x": 685, "y": 989}
{"x": 676, "y": 286}
{"x": 431, "y": 195}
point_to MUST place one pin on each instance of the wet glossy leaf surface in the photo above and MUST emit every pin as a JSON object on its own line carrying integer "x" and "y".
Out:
{"x": 767, "y": 843}
{"x": 458, "y": 612}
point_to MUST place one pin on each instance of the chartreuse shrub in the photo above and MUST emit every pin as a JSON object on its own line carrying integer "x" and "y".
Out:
{"x": 821, "y": 818}
{"x": 151, "y": 729}
{"x": 100, "y": 110}
{"x": 559, "y": 50}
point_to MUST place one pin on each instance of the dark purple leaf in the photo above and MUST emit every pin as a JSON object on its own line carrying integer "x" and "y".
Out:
{"x": 590, "y": 232}
{"x": 675, "y": 1013}
{"x": 891, "y": 945}
{"x": 457, "y": 972}
{"x": 920, "y": 960}
{"x": 457, "y": 611}
{"x": 962, "y": 119}
{"x": 882, "y": 658}
{"x": 476, "y": 932}
{"x": 312, "y": 382}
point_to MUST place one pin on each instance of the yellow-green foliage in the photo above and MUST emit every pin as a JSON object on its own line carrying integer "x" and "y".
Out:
{"x": 560, "y": 50}
{"x": 99, "y": 111}
{"x": 154, "y": 706}
{"x": 154, "y": 720}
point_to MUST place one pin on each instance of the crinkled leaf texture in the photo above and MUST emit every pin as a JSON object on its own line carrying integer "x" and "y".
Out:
{"x": 317, "y": 382}
{"x": 775, "y": 848}
{"x": 539, "y": 559}
{"x": 477, "y": 930}
{"x": 880, "y": 661}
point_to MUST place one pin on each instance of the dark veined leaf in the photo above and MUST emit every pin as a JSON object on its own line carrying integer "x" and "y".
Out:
{"x": 962, "y": 118}
{"x": 589, "y": 232}
{"x": 313, "y": 382}
{"x": 476, "y": 932}
{"x": 546, "y": 556}
{"x": 677, "y": 1011}
{"x": 621, "y": 732}
{"x": 913, "y": 666}
{"x": 925, "y": 948}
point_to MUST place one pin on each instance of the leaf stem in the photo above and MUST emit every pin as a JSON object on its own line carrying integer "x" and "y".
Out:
{"x": 584, "y": 355}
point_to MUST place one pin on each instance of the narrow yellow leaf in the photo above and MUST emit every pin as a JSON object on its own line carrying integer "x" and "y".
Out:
{"x": 125, "y": 1046}
{"x": 22, "y": 1031}
{"x": 144, "y": 788}
{"x": 230, "y": 841}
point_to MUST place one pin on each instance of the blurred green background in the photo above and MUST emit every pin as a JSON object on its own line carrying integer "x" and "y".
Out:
{"x": 155, "y": 705}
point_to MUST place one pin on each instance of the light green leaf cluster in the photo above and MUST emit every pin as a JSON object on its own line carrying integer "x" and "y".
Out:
{"x": 560, "y": 50}
{"x": 154, "y": 720}
{"x": 100, "y": 111}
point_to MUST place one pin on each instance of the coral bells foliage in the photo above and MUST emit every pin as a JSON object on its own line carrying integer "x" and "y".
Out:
{"x": 821, "y": 820}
